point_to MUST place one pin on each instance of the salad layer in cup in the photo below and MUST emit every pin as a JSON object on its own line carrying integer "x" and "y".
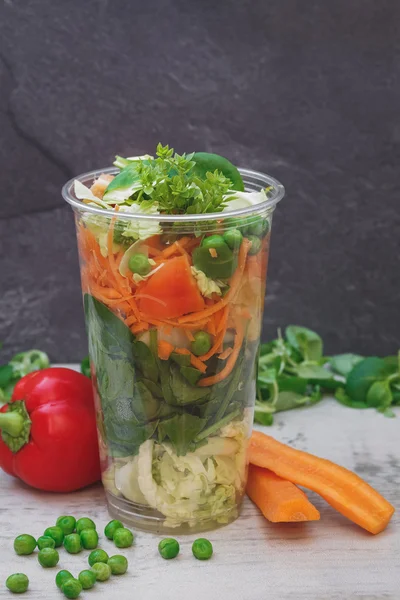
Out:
{"x": 173, "y": 255}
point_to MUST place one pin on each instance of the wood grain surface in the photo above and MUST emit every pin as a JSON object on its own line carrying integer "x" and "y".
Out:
{"x": 253, "y": 559}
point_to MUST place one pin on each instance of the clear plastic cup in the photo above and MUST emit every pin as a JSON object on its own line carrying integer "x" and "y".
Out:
{"x": 173, "y": 343}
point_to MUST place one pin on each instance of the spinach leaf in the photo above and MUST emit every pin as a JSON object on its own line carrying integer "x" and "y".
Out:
{"x": 292, "y": 384}
{"x": 183, "y": 392}
{"x": 305, "y": 341}
{"x": 125, "y": 439}
{"x": 145, "y": 406}
{"x": 183, "y": 360}
{"x": 379, "y": 395}
{"x": 181, "y": 431}
{"x": 344, "y": 399}
{"x": 364, "y": 374}
{"x": 145, "y": 361}
{"x": 344, "y": 363}
{"x": 312, "y": 371}
{"x": 216, "y": 426}
{"x": 191, "y": 374}
{"x": 153, "y": 388}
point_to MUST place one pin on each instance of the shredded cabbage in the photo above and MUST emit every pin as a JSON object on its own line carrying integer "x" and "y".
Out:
{"x": 236, "y": 200}
{"x": 139, "y": 228}
{"x": 206, "y": 285}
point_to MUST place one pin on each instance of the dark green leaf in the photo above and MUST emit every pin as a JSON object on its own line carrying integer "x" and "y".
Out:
{"x": 6, "y": 375}
{"x": 183, "y": 392}
{"x": 344, "y": 399}
{"x": 144, "y": 404}
{"x": 364, "y": 374}
{"x": 292, "y": 384}
{"x": 308, "y": 371}
{"x": 217, "y": 425}
{"x": 289, "y": 401}
{"x": 263, "y": 418}
{"x": 181, "y": 431}
{"x": 154, "y": 388}
{"x": 145, "y": 361}
{"x": 191, "y": 374}
{"x": 183, "y": 360}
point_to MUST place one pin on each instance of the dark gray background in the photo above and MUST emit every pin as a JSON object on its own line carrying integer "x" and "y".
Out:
{"x": 307, "y": 91}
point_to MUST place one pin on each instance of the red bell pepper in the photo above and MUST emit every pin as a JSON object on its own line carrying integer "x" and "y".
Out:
{"x": 48, "y": 431}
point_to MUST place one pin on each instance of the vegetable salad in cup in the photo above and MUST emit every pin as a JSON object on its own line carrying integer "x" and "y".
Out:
{"x": 173, "y": 252}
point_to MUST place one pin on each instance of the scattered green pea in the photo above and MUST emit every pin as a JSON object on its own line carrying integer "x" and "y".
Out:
{"x": 102, "y": 571}
{"x": 89, "y": 539}
{"x": 201, "y": 344}
{"x": 87, "y": 579}
{"x": 257, "y": 226}
{"x": 123, "y": 538}
{"x": 97, "y": 556}
{"x": 62, "y": 577}
{"x": 84, "y": 523}
{"x": 111, "y": 527}
{"x": 17, "y": 583}
{"x": 168, "y": 548}
{"x": 67, "y": 524}
{"x": 202, "y": 549}
{"x": 24, "y": 544}
{"x": 118, "y": 564}
{"x": 48, "y": 557}
{"x": 233, "y": 238}
{"x": 255, "y": 245}
{"x": 71, "y": 588}
{"x": 72, "y": 543}
{"x": 45, "y": 541}
{"x": 56, "y": 533}
{"x": 139, "y": 263}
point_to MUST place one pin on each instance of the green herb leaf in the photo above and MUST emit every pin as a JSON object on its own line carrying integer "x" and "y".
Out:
{"x": 306, "y": 341}
{"x": 181, "y": 431}
{"x": 364, "y": 374}
{"x": 344, "y": 363}
{"x": 379, "y": 395}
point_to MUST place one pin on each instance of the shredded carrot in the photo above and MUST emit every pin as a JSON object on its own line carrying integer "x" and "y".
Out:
{"x": 226, "y": 353}
{"x": 279, "y": 500}
{"x": 130, "y": 320}
{"x": 176, "y": 247}
{"x": 189, "y": 335}
{"x": 166, "y": 328}
{"x": 106, "y": 292}
{"x": 342, "y": 489}
{"x": 211, "y": 326}
{"x": 230, "y": 363}
{"x": 224, "y": 319}
{"x": 235, "y": 281}
{"x": 213, "y": 252}
{"x": 164, "y": 349}
{"x": 196, "y": 362}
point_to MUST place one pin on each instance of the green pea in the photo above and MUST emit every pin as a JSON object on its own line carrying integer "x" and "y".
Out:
{"x": 118, "y": 564}
{"x": 56, "y": 533}
{"x": 202, "y": 549}
{"x": 111, "y": 527}
{"x": 48, "y": 557}
{"x": 67, "y": 524}
{"x": 168, "y": 548}
{"x": 45, "y": 542}
{"x": 17, "y": 583}
{"x": 84, "y": 523}
{"x": 233, "y": 238}
{"x": 97, "y": 556}
{"x": 139, "y": 263}
{"x": 24, "y": 544}
{"x": 213, "y": 241}
{"x": 255, "y": 244}
{"x": 62, "y": 577}
{"x": 71, "y": 588}
{"x": 89, "y": 539}
{"x": 72, "y": 543}
{"x": 123, "y": 538}
{"x": 87, "y": 579}
{"x": 257, "y": 226}
{"x": 201, "y": 343}
{"x": 102, "y": 571}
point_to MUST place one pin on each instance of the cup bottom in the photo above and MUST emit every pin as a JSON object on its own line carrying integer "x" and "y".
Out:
{"x": 147, "y": 519}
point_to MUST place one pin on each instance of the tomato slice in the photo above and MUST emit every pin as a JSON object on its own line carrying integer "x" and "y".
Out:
{"x": 171, "y": 292}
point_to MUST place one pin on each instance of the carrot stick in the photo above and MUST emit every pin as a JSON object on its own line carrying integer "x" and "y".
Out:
{"x": 164, "y": 349}
{"x": 189, "y": 335}
{"x": 230, "y": 363}
{"x": 235, "y": 281}
{"x": 196, "y": 362}
{"x": 280, "y": 501}
{"x": 176, "y": 247}
{"x": 139, "y": 327}
{"x": 211, "y": 326}
{"x": 225, "y": 354}
{"x": 342, "y": 489}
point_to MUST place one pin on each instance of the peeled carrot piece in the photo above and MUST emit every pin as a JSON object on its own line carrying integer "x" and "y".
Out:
{"x": 342, "y": 489}
{"x": 165, "y": 350}
{"x": 279, "y": 500}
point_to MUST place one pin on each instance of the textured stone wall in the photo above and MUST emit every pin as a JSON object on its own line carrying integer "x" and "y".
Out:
{"x": 307, "y": 91}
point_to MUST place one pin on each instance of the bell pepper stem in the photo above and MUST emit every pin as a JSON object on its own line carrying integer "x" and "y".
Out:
{"x": 12, "y": 423}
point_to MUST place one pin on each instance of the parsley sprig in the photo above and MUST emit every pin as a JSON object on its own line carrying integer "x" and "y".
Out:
{"x": 170, "y": 182}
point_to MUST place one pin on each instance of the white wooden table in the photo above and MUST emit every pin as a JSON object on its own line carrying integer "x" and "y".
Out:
{"x": 253, "y": 559}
